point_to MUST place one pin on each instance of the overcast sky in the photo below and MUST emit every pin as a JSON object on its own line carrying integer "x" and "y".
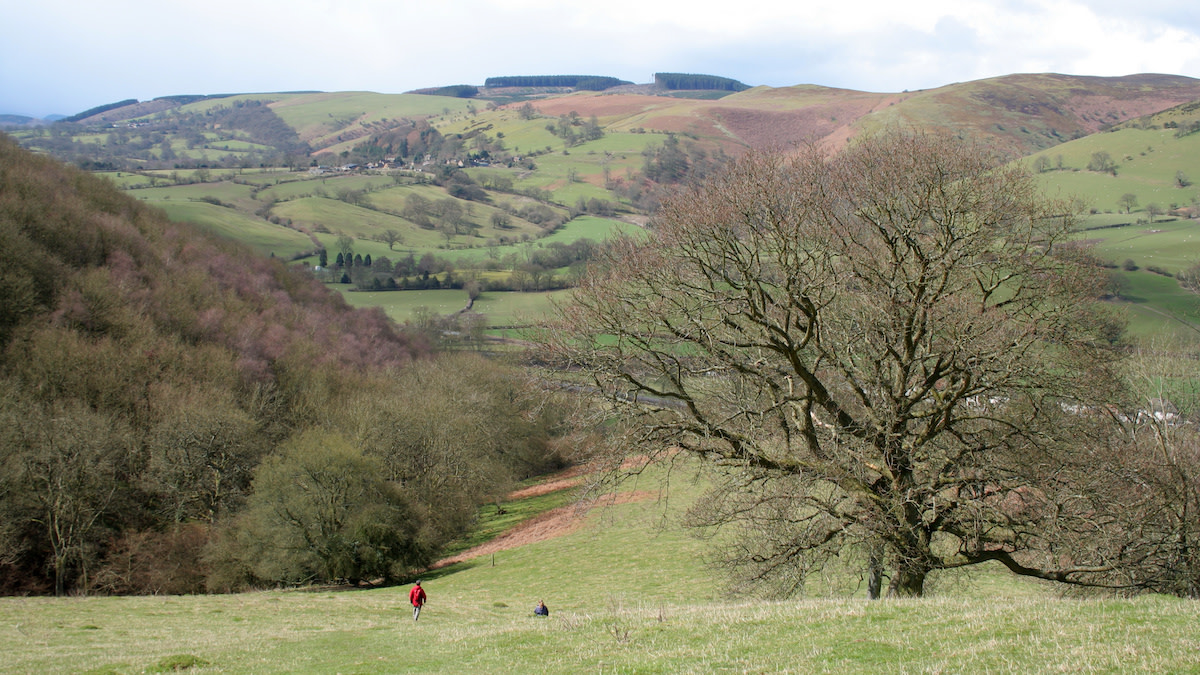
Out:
{"x": 66, "y": 56}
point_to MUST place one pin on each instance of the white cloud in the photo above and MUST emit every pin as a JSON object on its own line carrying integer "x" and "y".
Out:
{"x": 57, "y": 59}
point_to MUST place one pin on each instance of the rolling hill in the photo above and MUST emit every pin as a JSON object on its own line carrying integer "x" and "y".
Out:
{"x": 1024, "y": 112}
{"x": 626, "y": 595}
{"x": 292, "y": 172}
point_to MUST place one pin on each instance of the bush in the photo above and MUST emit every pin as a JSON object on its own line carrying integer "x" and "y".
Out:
{"x": 156, "y": 563}
{"x": 323, "y": 512}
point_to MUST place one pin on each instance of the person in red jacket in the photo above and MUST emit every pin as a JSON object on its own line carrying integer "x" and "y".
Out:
{"x": 417, "y": 597}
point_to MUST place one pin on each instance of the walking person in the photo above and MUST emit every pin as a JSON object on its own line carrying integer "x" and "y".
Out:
{"x": 417, "y": 597}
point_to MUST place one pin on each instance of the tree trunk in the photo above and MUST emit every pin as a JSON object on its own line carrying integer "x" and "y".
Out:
{"x": 908, "y": 582}
{"x": 874, "y": 576}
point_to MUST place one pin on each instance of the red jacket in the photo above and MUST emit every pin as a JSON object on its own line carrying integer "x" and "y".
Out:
{"x": 417, "y": 596}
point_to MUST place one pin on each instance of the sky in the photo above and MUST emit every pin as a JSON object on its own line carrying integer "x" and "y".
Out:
{"x": 67, "y": 56}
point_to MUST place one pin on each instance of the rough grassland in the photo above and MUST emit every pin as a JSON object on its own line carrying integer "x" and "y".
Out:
{"x": 626, "y": 596}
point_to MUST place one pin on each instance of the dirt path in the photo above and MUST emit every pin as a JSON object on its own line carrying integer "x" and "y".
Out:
{"x": 570, "y": 478}
{"x": 555, "y": 523}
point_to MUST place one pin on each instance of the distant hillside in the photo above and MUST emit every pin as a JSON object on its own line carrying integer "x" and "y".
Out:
{"x": 1020, "y": 113}
{"x": 596, "y": 152}
{"x": 18, "y": 120}
{"x": 1025, "y": 113}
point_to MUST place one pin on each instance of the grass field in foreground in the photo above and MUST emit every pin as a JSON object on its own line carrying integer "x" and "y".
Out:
{"x": 628, "y": 594}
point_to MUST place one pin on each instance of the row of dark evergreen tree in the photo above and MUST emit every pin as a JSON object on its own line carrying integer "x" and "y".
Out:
{"x": 583, "y": 82}
{"x": 677, "y": 81}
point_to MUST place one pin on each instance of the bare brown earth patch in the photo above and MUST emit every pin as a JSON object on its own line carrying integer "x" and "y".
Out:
{"x": 556, "y": 523}
{"x": 601, "y": 105}
{"x": 569, "y": 478}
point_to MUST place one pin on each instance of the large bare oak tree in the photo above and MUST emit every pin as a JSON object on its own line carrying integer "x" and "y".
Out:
{"x": 893, "y": 352}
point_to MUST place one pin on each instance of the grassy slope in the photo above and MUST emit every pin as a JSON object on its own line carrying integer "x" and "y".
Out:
{"x": 1148, "y": 160}
{"x": 261, "y": 236}
{"x": 626, "y": 596}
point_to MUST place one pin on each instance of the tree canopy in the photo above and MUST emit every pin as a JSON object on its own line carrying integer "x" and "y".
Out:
{"x": 893, "y": 353}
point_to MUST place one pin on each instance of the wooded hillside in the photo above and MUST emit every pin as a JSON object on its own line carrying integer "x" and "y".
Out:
{"x": 147, "y": 371}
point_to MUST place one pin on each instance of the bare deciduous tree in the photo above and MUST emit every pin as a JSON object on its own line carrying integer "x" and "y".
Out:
{"x": 1159, "y": 498}
{"x": 893, "y": 352}
{"x": 391, "y": 237}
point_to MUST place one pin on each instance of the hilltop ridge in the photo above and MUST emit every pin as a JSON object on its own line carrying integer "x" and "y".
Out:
{"x": 1021, "y": 113}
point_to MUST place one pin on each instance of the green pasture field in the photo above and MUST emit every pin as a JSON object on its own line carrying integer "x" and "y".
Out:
{"x": 304, "y": 184}
{"x": 520, "y": 136}
{"x": 1103, "y": 191}
{"x": 258, "y": 177}
{"x": 1147, "y": 163}
{"x": 207, "y": 155}
{"x": 316, "y": 213}
{"x": 293, "y": 189}
{"x": 224, "y": 190}
{"x": 228, "y": 101}
{"x": 1166, "y": 309}
{"x": 1173, "y": 245}
{"x": 271, "y": 176}
{"x": 628, "y": 592}
{"x": 234, "y": 145}
{"x": 310, "y": 114}
{"x": 590, "y": 227}
{"x": 400, "y": 306}
{"x": 260, "y": 235}
{"x": 395, "y": 198}
{"x": 125, "y": 180}
{"x": 1097, "y": 221}
{"x": 368, "y": 223}
{"x": 1156, "y": 305}
{"x": 500, "y": 308}
{"x": 416, "y": 240}
{"x": 588, "y": 161}
{"x": 513, "y": 308}
{"x": 1150, "y": 324}
{"x": 329, "y": 185}
{"x": 334, "y": 182}
{"x": 419, "y": 241}
{"x": 480, "y": 213}
{"x": 584, "y": 227}
{"x": 214, "y": 175}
